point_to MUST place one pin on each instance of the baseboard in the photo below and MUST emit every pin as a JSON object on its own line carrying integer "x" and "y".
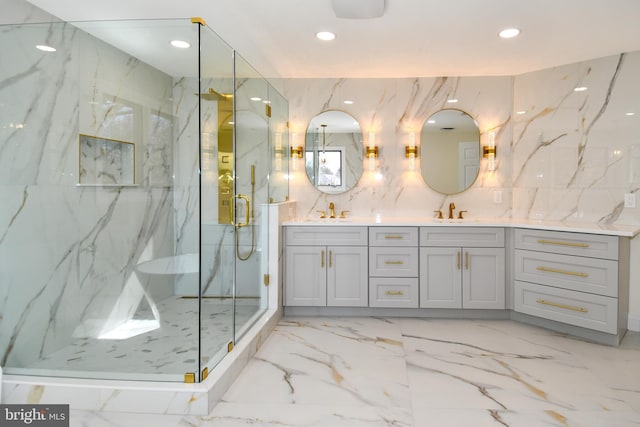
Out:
{"x": 633, "y": 324}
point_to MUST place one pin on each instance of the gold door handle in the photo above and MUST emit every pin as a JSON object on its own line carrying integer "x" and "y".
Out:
{"x": 458, "y": 260}
{"x": 556, "y": 242}
{"x": 394, "y": 262}
{"x": 232, "y": 213}
{"x": 555, "y": 270}
{"x": 466, "y": 260}
{"x": 322, "y": 259}
{"x": 330, "y": 258}
{"x": 394, "y": 293}
{"x": 567, "y": 307}
{"x": 389, "y": 236}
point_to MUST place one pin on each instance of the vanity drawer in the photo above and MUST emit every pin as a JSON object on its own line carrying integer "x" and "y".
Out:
{"x": 562, "y": 242}
{"x": 326, "y": 235}
{"x": 393, "y": 292}
{"x": 393, "y": 262}
{"x": 575, "y": 308}
{"x": 393, "y": 236}
{"x": 596, "y": 276}
{"x": 479, "y": 237}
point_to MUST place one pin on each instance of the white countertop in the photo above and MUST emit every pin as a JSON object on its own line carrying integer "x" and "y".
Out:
{"x": 580, "y": 227}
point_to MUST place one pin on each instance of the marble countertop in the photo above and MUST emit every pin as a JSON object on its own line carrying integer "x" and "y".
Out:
{"x": 580, "y": 227}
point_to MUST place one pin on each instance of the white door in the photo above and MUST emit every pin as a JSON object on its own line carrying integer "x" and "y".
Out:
{"x": 440, "y": 277}
{"x": 468, "y": 163}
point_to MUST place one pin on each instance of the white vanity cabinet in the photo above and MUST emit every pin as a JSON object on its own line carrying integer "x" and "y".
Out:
{"x": 326, "y": 266}
{"x": 393, "y": 267}
{"x": 462, "y": 267}
{"x": 573, "y": 278}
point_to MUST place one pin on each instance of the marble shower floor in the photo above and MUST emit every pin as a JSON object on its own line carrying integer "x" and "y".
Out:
{"x": 171, "y": 349}
{"x": 420, "y": 372}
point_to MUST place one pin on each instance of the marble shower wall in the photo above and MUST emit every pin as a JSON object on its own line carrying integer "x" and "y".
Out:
{"x": 392, "y": 108}
{"x": 575, "y": 154}
{"x": 68, "y": 252}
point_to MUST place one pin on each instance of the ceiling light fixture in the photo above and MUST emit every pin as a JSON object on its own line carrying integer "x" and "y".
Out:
{"x": 509, "y": 33}
{"x": 255, "y": 98}
{"x": 325, "y": 35}
{"x": 348, "y": 102}
{"x": 580, "y": 89}
{"x": 521, "y": 112}
{"x": 452, "y": 101}
{"x": 630, "y": 114}
{"x": 180, "y": 44}
{"x": 45, "y": 48}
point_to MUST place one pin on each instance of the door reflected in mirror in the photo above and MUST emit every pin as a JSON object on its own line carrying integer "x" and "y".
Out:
{"x": 333, "y": 152}
{"x": 450, "y": 153}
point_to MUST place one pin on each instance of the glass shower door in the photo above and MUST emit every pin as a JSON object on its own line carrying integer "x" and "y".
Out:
{"x": 252, "y": 166}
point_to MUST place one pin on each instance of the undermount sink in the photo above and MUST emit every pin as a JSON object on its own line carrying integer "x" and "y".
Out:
{"x": 453, "y": 220}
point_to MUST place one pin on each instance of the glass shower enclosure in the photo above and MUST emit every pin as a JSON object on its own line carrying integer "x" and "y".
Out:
{"x": 134, "y": 184}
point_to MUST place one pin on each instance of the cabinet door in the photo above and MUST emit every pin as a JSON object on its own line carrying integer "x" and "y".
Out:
{"x": 305, "y": 276}
{"x": 483, "y": 283}
{"x": 440, "y": 276}
{"x": 347, "y": 276}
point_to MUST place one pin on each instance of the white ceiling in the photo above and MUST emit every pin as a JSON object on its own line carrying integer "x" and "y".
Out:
{"x": 414, "y": 37}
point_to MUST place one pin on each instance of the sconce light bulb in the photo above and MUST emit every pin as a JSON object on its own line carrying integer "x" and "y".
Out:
{"x": 492, "y": 139}
{"x": 372, "y": 163}
{"x": 492, "y": 162}
{"x": 372, "y": 139}
{"x": 412, "y": 162}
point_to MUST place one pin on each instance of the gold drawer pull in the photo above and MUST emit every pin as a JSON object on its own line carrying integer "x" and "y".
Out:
{"x": 394, "y": 262}
{"x": 568, "y": 307}
{"x": 394, "y": 293}
{"x": 389, "y": 236}
{"x": 553, "y": 270}
{"x": 555, "y": 242}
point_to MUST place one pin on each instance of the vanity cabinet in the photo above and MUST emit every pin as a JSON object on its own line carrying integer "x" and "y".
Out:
{"x": 462, "y": 267}
{"x": 393, "y": 267}
{"x": 572, "y": 278}
{"x": 326, "y": 266}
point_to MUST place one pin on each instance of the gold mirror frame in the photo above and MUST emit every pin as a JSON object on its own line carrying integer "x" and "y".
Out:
{"x": 333, "y": 152}
{"x": 450, "y": 151}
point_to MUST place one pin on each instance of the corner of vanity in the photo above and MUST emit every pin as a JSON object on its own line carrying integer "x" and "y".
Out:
{"x": 574, "y": 280}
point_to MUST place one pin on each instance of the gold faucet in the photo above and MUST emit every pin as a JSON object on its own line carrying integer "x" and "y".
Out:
{"x": 452, "y": 206}
{"x": 332, "y": 210}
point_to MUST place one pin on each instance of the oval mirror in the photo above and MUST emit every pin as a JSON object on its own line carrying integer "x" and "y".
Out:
{"x": 333, "y": 152}
{"x": 450, "y": 151}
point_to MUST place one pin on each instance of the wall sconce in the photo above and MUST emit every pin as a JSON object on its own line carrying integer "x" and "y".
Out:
{"x": 278, "y": 152}
{"x": 371, "y": 152}
{"x": 489, "y": 151}
{"x": 411, "y": 151}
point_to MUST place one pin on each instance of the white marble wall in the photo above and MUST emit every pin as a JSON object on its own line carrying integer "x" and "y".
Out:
{"x": 575, "y": 154}
{"x": 392, "y": 108}
{"x": 67, "y": 253}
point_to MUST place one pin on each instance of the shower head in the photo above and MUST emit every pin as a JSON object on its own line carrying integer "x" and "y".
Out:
{"x": 213, "y": 95}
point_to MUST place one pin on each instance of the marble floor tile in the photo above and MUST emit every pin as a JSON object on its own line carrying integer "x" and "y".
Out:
{"x": 318, "y": 371}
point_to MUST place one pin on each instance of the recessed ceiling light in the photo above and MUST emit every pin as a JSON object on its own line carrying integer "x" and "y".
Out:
{"x": 452, "y": 101}
{"x": 325, "y": 35}
{"x": 45, "y": 48}
{"x": 181, "y": 44}
{"x": 509, "y": 33}
{"x": 630, "y": 114}
{"x": 348, "y": 102}
{"x": 580, "y": 89}
{"x": 431, "y": 121}
{"x": 521, "y": 112}
{"x": 256, "y": 98}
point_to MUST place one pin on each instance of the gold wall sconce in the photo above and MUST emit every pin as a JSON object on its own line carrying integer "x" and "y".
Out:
{"x": 489, "y": 152}
{"x": 371, "y": 152}
{"x": 296, "y": 152}
{"x": 411, "y": 151}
